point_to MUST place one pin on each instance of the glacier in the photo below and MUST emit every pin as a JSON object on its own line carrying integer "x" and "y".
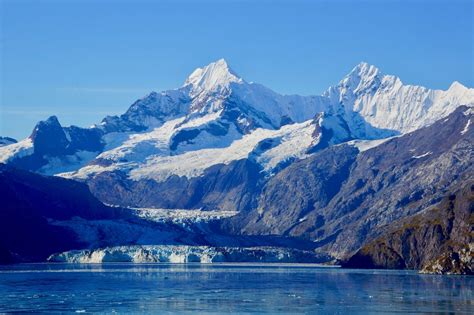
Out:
{"x": 188, "y": 254}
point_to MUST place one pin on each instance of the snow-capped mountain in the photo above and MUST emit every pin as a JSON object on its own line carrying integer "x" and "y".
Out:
{"x": 217, "y": 117}
{"x": 384, "y": 102}
{"x": 329, "y": 170}
{"x": 218, "y": 91}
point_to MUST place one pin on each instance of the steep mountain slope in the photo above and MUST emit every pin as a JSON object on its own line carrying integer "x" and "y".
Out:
{"x": 439, "y": 239}
{"x": 217, "y": 110}
{"x": 6, "y": 141}
{"x": 52, "y": 148}
{"x": 339, "y": 198}
{"x": 42, "y": 215}
{"x": 29, "y": 201}
{"x": 384, "y": 102}
{"x": 331, "y": 170}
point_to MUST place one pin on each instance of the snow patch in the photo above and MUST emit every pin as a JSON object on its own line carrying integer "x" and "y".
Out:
{"x": 193, "y": 163}
{"x": 179, "y": 216}
{"x": 16, "y": 150}
{"x": 421, "y": 156}
{"x": 466, "y": 128}
{"x": 57, "y": 165}
{"x": 364, "y": 145}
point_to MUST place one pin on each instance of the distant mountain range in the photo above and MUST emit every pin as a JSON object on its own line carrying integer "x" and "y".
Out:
{"x": 336, "y": 170}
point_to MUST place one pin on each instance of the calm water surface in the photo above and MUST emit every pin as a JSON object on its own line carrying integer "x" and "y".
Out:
{"x": 226, "y": 288}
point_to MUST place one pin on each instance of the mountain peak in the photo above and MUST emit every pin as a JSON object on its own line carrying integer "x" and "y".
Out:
{"x": 49, "y": 138}
{"x": 51, "y": 122}
{"x": 214, "y": 77}
{"x": 457, "y": 86}
{"x": 363, "y": 76}
{"x": 364, "y": 70}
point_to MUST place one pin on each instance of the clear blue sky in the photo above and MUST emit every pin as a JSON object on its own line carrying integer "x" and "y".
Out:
{"x": 81, "y": 60}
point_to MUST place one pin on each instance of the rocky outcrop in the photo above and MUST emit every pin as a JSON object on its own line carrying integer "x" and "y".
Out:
{"x": 288, "y": 197}
{"x": 393, "y": 180}
{"x": 337, "y": 197}
{"x": 461, "y": 263}
{"x": 49, "y": 138}
{"x": 230, "y": 187}
{"x": 55, "y": 147}
{"x": 438, "y": 240}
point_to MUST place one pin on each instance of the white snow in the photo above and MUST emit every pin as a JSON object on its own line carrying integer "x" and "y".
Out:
{"x": 364, "y": 99}
{"x": 292, "y": 144}
{"x": 275, "y": 106}
{"x": 469, "y": 111}
{"x": 68, "y": 136}
{"x": 93, "y": 169}
{"x": 384, "y": 102}
{"x": 214, "y": 77}
{"x": 147, "y": 155}
{"x": 365, "y": 94}
{"x": 193, "y": 163}
{"x": 191, "y": 122}
{"x": 303, "y": 219}
{"x": 178, "y": 254}
{"x": 422, "y": 155}
{"x": 68, "y": 163}
{"x": 466, "y": 128}
{"x": 364, "y": 145}
{"x": 16, "y": 150}
{"x": 180, "y": 216}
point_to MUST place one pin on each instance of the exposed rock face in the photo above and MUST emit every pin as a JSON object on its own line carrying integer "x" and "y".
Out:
{"x": 460, "y": 263}
{"x": 151, "y": 110}
{"x": 306, "y": 185}
{"x": 288, "y": 164}
{"x": 393, "y": 180}
{"x": 338, "y": 197}
{"x": 51, "y": 147}
{"x": 49, "y": 138}
{"x": 42, "y": 215}
{"x": 226, "y": 187}
{"x": 83, "y": 139}
{"x": 215, "y": 107}
{"x": 438, "y": 240}
{"x": 398, "y": 178}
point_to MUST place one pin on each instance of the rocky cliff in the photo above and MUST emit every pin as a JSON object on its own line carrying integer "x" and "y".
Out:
{"x": 437, "y": 240}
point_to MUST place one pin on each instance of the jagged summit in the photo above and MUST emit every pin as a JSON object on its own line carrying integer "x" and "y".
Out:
{"x": 216, "y": 108}
{"x": 363, "y": 76}
{"x": 52, "y": 120}
{"x": 48, "y": 137}
{"x": 365, "y": 69}
{"x": 214, "y": 77}
{"x": 51, "y": 123}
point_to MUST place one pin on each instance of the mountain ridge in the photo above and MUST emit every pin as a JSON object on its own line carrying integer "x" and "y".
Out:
{"x": 216, "y": 108}
{"x": 329, "y": 170}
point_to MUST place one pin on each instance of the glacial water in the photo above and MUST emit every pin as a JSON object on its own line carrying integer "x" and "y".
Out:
{"x": 229, "y": 288}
